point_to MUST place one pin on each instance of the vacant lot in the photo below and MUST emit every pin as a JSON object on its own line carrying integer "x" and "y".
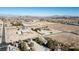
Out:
{"x": 65, "y": 36}
{"x": 11, "y": 35}
{"x": 64, "y": 32}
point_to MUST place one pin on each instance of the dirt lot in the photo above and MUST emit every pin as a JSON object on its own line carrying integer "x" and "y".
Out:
{"x": 57, "y": 26}
{"x": 65, "y": 36}
{"x": 11, "y": 35}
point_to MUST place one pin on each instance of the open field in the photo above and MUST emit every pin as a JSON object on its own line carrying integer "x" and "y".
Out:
{"x": 60, "y": 32}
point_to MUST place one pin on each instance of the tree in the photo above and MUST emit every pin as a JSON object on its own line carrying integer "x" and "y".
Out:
{"x": 23, "y": 46}
{"x": 16, "y": 23}
{"x": 31, "y": 44}
{"x": 38, "y": 41}
{"x": 52, "y": 44}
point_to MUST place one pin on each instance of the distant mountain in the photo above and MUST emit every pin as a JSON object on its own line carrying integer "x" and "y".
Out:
{"x": 8, "y": 15}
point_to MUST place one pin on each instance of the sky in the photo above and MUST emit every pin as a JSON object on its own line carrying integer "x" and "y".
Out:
{"x": 40, "y": 11}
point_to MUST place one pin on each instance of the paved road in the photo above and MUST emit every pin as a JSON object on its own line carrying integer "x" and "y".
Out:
{"x": 3, "y": 44}
{"x": 3, "y": 35}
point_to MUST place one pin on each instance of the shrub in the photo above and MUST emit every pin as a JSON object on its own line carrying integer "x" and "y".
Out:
{"x": 17, "y": 24}
{"x": 73, "y": 49}
{"x": 76, "y": 49}
{"x": 31, "y": 44}
{"x": 36, "y": 29}
{"x": 38, "y": 41}
{"x": 23, "y": 46}
{"x": 52, "y": 44}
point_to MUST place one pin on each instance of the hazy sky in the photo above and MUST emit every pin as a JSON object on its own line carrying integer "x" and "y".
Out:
{"x": 40, "y": 11}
